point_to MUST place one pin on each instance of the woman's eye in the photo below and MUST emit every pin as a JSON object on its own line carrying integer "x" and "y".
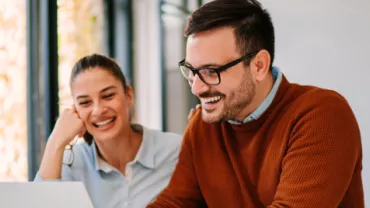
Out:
{"x": 83, "y": 103}
{"x": 109, "y": 96}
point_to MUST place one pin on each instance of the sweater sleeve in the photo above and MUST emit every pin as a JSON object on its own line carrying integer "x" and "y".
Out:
{"x": 183, "y": 189}
{"x": 323, "y": 155}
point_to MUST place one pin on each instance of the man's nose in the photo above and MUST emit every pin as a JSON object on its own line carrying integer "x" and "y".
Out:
{"x": 198, "y": 86}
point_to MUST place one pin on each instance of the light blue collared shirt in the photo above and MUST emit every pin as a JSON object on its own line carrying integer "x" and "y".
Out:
{"x": 145, "y": 177}
{"x": 278, "y": 76}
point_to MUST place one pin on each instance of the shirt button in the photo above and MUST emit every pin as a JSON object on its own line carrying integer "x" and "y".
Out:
{"x": 125, "y": 204}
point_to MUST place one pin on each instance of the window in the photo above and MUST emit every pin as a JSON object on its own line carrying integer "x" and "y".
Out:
{"x": 177, "y": 96}
{"x": 13, "y": 117}
{"x": 80, "y": 33}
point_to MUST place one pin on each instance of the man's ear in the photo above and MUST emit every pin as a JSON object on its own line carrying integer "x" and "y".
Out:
{"x": 260, "y": 65}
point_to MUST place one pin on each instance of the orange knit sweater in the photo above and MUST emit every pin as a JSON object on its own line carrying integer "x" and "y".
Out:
{"x": 304, "y": 151}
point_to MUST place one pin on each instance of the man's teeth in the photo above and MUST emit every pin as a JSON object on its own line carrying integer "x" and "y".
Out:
{"x": 211, "y": 99}
{"x": 104, "y": 122}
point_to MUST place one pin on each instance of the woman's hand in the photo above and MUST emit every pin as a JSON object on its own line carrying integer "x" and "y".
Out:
{"x": 68, "y": 126}
{"x": 192, "y": 111}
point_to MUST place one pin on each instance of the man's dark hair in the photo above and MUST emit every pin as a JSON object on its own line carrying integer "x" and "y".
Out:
{"x": 253, "y": 27}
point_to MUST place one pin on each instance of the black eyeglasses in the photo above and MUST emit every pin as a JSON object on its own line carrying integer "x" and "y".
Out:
{"x": 210, "y": 76}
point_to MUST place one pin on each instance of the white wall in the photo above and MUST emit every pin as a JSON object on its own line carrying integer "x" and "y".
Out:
{"x": 147, "y": 63}
{"x": 327, "y": 43}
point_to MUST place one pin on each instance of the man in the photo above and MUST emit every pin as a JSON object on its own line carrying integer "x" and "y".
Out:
{"x": 258, "y": 140}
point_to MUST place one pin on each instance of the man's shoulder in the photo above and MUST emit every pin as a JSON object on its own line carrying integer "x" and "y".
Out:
{"x": 315, "y": 104}
{"x": 312, "y": 96}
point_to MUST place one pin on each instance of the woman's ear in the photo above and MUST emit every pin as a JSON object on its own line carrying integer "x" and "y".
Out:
{"x": 131, "y": 101}
{"x": 130, "y": 96}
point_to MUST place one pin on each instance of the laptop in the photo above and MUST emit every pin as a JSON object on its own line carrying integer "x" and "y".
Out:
{"x": 44, "y": 195}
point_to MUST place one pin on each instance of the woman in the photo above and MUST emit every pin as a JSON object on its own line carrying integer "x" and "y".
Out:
{"x": 121, "y": 165}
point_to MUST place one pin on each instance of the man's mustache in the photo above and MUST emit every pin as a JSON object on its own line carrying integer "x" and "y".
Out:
{"x": 211, "y": 94}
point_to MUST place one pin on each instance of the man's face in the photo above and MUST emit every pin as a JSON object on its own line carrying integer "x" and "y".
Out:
{"x": 236, "y": 91}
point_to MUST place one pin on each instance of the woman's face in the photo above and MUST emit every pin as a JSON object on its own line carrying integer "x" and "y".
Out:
{"x": 102, "y": 103}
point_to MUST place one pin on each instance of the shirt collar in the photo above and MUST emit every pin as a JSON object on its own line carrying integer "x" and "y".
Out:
{"x": 145, "y": 155}
{"x": 277, "y": 75}
{"x": 99, "y": 163}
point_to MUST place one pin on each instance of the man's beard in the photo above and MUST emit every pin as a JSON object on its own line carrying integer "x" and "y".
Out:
{"x": 233, "y": 104}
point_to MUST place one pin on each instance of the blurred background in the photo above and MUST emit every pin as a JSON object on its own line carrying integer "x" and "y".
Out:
{"x": 324, "y": 43}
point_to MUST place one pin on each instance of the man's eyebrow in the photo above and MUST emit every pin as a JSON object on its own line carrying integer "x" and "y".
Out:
{"x": 212, "y": 65}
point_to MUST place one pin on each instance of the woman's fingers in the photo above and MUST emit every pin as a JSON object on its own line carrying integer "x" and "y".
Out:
{"x": 192, "y": 111}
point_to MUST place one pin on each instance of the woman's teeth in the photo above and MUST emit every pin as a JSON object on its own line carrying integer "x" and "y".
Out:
{"x": 211, "y": 99}
{"x": 104, "y": 122}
